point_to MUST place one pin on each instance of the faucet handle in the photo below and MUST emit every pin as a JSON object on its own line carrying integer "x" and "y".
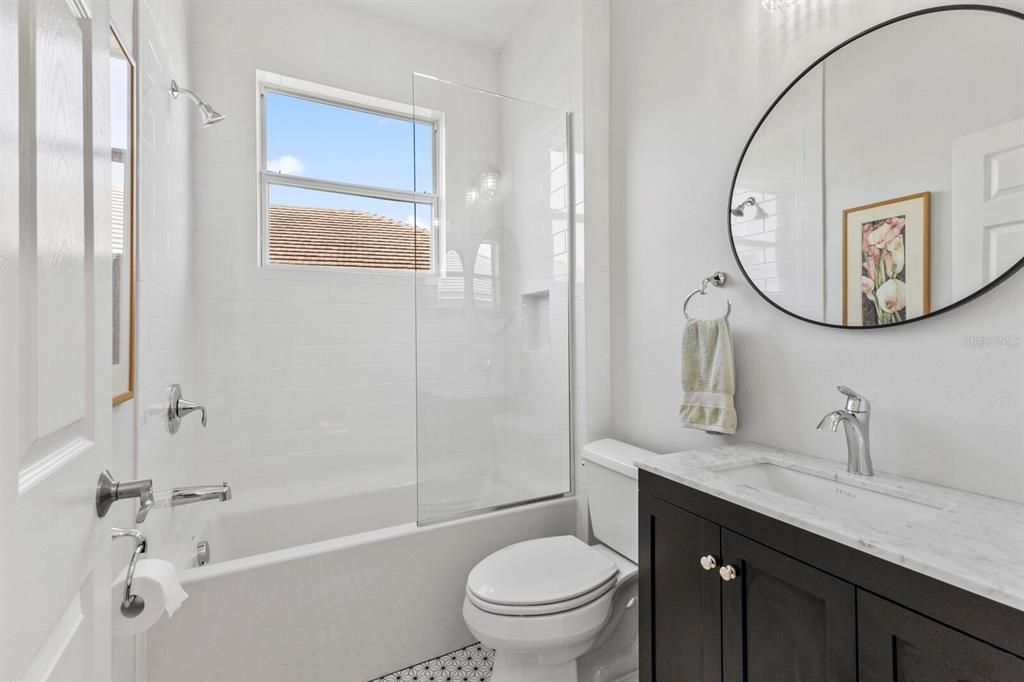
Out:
{"x": 855, "y": 402}
{"x": 178, "y": 408}
{"x": 187, "y": 406}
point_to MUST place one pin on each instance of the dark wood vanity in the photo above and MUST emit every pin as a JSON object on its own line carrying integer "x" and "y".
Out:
{"x": 791, "y": 605}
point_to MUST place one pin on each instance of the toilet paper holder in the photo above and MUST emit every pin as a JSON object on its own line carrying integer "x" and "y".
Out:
{"x": 132, "y": 604}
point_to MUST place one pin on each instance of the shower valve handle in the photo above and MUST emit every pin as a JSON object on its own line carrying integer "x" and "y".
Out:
{"x": 178, "y": 408}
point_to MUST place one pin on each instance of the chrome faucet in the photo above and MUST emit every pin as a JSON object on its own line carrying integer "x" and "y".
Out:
{"x": 199, "y": 493}
{"x": 856, "y": 420}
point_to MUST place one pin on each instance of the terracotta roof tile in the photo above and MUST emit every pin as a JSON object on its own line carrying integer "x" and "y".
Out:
{"x": 303, "y": 235}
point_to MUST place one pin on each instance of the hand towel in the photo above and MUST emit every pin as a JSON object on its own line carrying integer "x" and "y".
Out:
{"x": 709, "y": 377}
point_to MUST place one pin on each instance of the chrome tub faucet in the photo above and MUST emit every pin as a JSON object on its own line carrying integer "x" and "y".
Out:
{"x": 199, "y": 493}
{"x": 856, "y": 421}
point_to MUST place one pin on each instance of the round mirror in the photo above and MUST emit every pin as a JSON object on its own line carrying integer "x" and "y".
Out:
{"x": 886, "y": 183}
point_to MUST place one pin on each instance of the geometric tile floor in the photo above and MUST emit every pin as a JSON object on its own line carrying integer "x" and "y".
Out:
{"x": 472, "y": 663}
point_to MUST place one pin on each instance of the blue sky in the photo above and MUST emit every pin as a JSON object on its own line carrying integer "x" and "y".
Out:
{"x": 321, "y": 141}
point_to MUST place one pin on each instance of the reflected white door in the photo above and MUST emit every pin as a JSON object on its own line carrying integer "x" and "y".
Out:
{"x": 988, "y": 205}
{"x": 55, "y": 344}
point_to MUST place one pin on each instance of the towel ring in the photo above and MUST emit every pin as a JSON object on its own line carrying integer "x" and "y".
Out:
{"x": 717, "y": 279}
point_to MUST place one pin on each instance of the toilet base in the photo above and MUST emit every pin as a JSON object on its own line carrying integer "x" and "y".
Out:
{"x": 525, "y": 668}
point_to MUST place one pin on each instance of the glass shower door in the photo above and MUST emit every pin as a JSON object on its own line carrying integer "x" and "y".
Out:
{"x": 493, "y": 319}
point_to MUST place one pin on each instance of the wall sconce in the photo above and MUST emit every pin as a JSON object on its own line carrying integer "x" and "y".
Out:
{"x": 486, "y": 187}
{"x": 489, "y": 182}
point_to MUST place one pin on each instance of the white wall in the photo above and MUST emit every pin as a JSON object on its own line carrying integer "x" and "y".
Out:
{"x": 689, "y": 81}
{"x": 305, "y": 371}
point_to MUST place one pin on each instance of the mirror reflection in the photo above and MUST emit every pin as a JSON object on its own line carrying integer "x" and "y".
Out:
{"x": 888, "y": 182}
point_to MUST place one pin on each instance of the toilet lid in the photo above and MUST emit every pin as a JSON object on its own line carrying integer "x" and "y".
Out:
{"x": 542, "y": 571}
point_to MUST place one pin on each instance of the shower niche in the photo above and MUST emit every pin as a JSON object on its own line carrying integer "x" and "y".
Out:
{"x": 537, "y": 322}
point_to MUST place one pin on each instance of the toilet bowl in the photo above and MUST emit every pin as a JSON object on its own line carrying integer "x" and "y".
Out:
{"x": 543, "y": 604}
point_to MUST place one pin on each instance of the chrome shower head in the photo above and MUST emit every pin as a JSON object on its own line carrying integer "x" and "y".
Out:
{"x": 741, "y": 208}
{"x": 208, "y": 113}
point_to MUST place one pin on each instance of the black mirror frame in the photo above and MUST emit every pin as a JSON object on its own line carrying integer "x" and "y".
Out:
{"x": 732, "y": 243}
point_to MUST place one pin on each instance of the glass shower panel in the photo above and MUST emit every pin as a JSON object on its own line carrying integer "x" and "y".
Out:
{"x": 493, "y": 315}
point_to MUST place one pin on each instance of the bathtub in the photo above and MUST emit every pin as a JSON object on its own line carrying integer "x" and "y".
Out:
{"x": 340, "y": 586}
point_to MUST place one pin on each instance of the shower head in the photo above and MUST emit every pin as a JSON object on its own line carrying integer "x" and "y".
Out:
{"x": 741, "y": 208}
{"x": 208, "y": 113}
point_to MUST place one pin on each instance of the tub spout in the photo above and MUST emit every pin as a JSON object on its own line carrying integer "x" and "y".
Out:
{"x": 200, "y": 493}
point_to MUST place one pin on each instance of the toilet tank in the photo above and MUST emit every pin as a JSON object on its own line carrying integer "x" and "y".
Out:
{"x": 609, "y": 475}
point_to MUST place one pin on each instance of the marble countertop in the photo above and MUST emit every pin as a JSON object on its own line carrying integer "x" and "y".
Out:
{"x": 970, "y": 541}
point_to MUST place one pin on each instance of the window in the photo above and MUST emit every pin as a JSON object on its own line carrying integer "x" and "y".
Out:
{"x": 347, "y": 181}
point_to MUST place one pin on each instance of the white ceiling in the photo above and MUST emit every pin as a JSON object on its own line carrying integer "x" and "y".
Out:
{"x": 487, "y": 23}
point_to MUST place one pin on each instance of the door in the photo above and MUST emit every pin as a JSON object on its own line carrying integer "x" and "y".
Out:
{"x": 988, "y": 205}
{"x": 782, "y": 619}
{"x": 55, "y": 340}
{"x": 680, "y": 608}
{"x": 898, "y": 645}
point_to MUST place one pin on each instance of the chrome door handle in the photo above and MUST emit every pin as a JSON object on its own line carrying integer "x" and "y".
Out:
{"x": 727, "y": 573}
{"x": 708, "y": 562}
{"x": 109, "y": 491}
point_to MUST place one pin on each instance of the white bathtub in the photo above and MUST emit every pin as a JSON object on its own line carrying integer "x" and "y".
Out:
{"x": 343, "y": 587}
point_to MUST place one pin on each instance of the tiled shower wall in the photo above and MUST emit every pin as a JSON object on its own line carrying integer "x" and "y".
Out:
{"x": 306, "y": 372}
{"x": 165, "y": 285}
{"x": 781, "y": 240}
{"x": 155, "y": 32}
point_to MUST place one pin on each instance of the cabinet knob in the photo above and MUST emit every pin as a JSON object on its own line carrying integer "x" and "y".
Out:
{"x": 728, "y": 573}
{"x": 708, "y": 562}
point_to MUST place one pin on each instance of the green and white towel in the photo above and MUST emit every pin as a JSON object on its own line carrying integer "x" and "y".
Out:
{"x": 709, "y": 377}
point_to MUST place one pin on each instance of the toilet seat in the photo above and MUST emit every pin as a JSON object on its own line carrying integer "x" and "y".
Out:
{"x": 540, "y": 577}
{"x": 542, "y": 609}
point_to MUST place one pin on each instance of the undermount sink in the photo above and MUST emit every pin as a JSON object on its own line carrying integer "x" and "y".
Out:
{"x": 861, "y": 504}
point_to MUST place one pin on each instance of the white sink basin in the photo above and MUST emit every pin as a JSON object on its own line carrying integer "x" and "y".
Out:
{"x": 860, "y": 504}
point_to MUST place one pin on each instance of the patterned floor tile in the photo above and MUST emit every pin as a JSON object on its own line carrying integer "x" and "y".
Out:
{"x": 472, "y": 663}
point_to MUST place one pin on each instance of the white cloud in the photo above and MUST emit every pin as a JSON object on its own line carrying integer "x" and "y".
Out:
{"x": 287, "y": 164}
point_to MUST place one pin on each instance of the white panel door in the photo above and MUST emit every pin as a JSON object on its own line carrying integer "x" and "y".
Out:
{"x": 55, "y": 320}
{"x": 988, "y": 205}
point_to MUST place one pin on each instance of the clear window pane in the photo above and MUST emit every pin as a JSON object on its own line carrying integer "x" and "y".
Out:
{"x": 313, "y": 227}
{"x": 330, "y": 142}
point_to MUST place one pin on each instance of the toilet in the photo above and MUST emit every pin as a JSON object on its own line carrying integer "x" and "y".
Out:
{"x": 556, "y": 609}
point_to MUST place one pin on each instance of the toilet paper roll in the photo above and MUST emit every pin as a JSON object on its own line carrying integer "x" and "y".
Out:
{"x": 156, "y": 582}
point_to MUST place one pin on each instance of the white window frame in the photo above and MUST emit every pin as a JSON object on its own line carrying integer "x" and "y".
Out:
{"x": 324, "y": 94}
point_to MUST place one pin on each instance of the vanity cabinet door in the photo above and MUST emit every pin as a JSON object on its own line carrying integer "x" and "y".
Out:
{"x": 783, "y": 619}
{"x": 898, "y": 645}
{"x": 680, "y": 600}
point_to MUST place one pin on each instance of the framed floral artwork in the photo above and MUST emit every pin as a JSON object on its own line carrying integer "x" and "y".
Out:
{"x": 886, "y": 261}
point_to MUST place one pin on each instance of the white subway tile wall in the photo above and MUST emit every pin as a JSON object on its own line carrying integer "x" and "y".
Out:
{"x": 780, "y": 241}
{"x": 165, "y": 276}
{"x": 311, "y": 372}
{"x": 307, "y": 372}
